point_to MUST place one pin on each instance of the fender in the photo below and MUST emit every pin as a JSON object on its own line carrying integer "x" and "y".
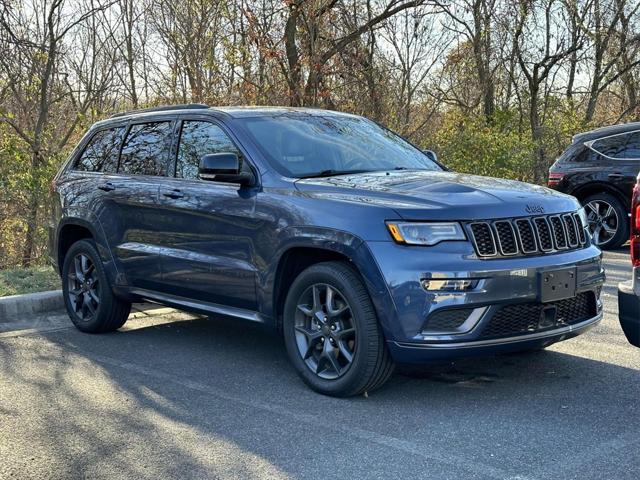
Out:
{"x": 332, "y": 240}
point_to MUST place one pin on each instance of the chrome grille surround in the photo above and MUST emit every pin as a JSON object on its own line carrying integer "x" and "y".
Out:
{"x": 526, "y": 235}
{"x": 507, "y": 237}
{"x": 483, "y": 239}
{"x": 559, "y": 233}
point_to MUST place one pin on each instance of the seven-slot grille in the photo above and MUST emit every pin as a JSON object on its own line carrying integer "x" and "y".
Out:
{"x": 526, "y": 236}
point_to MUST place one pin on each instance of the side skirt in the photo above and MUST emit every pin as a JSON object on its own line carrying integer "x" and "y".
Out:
{"x": 196, "y": 306}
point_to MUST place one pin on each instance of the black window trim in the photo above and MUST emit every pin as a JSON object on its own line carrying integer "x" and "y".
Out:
{"x": 195, "y": 117}
{"x": 589, "y": 144}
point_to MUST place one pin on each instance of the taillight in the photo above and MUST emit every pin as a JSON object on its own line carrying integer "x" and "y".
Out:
{"x": 635, "y": 226}
{"x": 555, "y": 179}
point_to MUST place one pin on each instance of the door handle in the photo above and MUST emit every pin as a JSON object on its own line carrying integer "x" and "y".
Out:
{"x": 107, "y": 187}
{"x": 173, "y": 194}
{"x": 616, "y": 175}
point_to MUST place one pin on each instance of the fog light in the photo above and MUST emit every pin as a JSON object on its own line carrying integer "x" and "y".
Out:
{"x": 449, "y": 285}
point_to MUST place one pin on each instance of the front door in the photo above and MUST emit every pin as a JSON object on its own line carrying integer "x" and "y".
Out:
{"x": 208, "y": 245}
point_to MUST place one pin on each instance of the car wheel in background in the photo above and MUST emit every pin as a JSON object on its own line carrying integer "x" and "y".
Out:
{"x": 608, "y": 220}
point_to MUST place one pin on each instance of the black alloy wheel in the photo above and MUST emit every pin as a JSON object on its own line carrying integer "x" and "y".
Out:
{"x": 84, "y": 287}
{"x": 90, "y": 301}
{"x": 332, "y": 333}
{"x": 325, "y": 331}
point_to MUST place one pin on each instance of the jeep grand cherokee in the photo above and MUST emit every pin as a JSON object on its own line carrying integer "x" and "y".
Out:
{"x": 360, "y": 248}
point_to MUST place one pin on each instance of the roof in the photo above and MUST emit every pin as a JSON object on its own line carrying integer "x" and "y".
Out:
{"x": 262, "y": 111}
{"x": 606, "y": 131}
{"x": 231, "y": 111}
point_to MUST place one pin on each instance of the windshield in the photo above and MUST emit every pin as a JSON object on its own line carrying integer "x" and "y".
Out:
{"x": 307, "y": 146}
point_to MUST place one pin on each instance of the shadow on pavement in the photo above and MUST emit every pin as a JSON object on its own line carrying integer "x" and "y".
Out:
{"x": 160, "y": 401}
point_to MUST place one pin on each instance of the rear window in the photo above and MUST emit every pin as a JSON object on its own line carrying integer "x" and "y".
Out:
{"x": 146, "y": 149}
{"x": 101, "y": 153}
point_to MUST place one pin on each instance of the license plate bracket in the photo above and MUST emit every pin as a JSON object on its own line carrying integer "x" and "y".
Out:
{"x": 557, "y": 284}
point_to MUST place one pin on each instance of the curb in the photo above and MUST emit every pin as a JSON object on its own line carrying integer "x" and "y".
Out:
{"x": 29, "y": 304}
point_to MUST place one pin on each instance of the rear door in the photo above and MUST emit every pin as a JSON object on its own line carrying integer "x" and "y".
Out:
{"x": 631, "y": 161}
{"x": 623, "y": 153}
{"x": 133, "y": 222}
{"x": 210, "y": 227}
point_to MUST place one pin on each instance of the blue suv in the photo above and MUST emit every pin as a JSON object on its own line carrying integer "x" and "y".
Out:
{"x": 360, "y": 248}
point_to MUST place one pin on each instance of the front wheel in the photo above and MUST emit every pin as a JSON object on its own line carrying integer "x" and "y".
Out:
{"x": 332, "y": 334}
{"x": 91, "y": 305}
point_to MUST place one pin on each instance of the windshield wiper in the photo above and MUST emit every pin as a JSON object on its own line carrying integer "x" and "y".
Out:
{"x": 332, "y": 173}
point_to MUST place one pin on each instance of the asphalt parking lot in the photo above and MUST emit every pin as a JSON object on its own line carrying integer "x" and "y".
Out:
{"x": 170, "y": 396}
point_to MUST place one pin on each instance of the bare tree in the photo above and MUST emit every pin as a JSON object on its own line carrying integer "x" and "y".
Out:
{"x": 541, "y": 44}
{"x": 608, "y": 50}
{"x": 39, "y": 84}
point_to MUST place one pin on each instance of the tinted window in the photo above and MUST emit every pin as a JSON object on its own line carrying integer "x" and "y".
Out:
{"x": 196, "y": 140}
{"x": 632, "y": 150}
{"x": 101, "y": 153}
{"x": 146, "y": 149}
{"x": 612, "y": 147}
{"x": 573, "y": 154}
{"x": 586, "y": 155}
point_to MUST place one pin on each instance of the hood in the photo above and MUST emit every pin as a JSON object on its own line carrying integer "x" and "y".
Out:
{"x": 427, "y": 195}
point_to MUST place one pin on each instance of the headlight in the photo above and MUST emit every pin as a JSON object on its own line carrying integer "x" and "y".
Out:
{"x": 414, "y": 233}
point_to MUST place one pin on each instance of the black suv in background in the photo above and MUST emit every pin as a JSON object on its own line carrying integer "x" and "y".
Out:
{"x": 600, "y": 169}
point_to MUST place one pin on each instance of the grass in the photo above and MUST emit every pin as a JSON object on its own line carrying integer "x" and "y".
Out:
{"x": 16, "y": 281}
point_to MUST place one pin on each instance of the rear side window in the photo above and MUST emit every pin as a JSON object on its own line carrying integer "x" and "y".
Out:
{"x": 199, "y": 138}
{"x": 632, "y": 150}
{"x": 146, "y": 149}
{"x": 101, "y": 153}
{"x": 612, "y": 147}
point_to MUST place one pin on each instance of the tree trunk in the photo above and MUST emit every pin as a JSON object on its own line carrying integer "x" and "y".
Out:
{"x": 32, "y": 222}
{"x": 293, "y": 59}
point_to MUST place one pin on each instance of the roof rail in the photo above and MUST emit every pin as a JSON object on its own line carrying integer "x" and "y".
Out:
{"x": 165, "y": 108}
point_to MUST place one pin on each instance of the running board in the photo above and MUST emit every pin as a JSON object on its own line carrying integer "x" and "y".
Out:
{"x": 198, "y": 306}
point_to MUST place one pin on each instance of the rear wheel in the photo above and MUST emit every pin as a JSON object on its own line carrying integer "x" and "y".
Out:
{"x": 608, "y": 220}
{"x": 332, "y": 334}
{"x": 90, "y": 303}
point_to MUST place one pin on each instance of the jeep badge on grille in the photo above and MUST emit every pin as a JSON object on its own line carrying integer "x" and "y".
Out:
{"x": 534, "y": 209}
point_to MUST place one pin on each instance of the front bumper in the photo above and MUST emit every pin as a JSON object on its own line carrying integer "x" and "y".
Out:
{"x": 629, "y": 307}
{"x": 418, "y": 353}
{"x": 500, "y": 283}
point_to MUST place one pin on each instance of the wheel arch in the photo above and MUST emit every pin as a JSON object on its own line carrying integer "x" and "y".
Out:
{"x": 593, "y": 188}
{"x": 72, "y": 229}
{"x": 306, "y": 249}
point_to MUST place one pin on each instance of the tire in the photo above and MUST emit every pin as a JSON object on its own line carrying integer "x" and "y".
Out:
{"x": 357, "y": 332}
{"x": 603, "y": 201}
{"x": 90, "y": 302}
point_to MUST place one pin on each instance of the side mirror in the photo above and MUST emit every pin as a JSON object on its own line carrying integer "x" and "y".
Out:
{"x": 431, "y": 155}
{"x": 223, "y": 167}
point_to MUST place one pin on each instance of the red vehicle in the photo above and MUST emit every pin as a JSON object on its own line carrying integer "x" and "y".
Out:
{"x": 629, "y": 291}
